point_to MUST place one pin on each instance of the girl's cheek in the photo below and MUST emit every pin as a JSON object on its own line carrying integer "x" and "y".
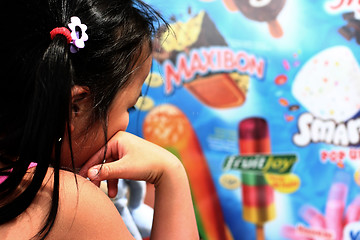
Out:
{"x": 126, "y": 122}
{"x": 118, "y": 124}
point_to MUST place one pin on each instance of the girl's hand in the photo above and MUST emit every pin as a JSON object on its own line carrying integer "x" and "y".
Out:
{"x": 129, "y": 157}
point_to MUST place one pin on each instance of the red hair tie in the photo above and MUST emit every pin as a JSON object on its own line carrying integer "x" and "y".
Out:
{"x": 63, "y": 31}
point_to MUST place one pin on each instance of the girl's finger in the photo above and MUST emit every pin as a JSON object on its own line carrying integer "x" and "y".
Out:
{"x": 110, "y": 155}
{"x": 110, "y": 170}
{"x": 112, "y": 186}
{"x": 97, "y": 183}
{"x": 96, "y": 159}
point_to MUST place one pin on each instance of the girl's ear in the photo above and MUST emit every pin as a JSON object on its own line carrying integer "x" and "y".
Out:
{"x": 79, "y": 104}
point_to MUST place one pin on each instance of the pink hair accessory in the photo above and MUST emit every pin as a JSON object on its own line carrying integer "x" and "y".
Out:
{"x": 62, "y": 31}
{"x": 78, "y": 37}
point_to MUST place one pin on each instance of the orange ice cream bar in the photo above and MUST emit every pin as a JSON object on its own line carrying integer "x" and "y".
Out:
{"x": 217, "y": 90}
{"x": 258, "y": 196}
{"x": 167, "y": 126}
{"x": 254, "y": 137}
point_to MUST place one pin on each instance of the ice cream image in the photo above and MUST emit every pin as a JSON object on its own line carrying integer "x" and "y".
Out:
{"x": 258, "y": 196}
{"x": 198, "y": 31}
{"x": 335, "y": 208}
{"x": 333, "y": 221}
{"x": 220, "y": 90}
{"x": 353, "y": 211}
{"x": 224, "y": 89}
{"x": 328, "y": 85}
{"x": 313, "y": 216}
{"x": 352, "y": 28}
{"x": 260, "y": 11}
{"x": 167, "y": 126}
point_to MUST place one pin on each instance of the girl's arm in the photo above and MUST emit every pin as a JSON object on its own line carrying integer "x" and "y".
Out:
{"x": 130, "y": 157}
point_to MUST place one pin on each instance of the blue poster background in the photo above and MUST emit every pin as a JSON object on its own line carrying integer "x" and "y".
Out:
{"x": 309, "y": 28}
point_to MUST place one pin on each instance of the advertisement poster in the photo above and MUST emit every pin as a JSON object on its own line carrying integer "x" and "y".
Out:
{"x": 260, "y": 100}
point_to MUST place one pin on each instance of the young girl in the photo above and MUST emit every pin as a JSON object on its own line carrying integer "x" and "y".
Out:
{"x": 71, "y": 70}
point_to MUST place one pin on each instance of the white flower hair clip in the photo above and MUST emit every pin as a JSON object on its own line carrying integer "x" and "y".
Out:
{"x": 78, "y": 34}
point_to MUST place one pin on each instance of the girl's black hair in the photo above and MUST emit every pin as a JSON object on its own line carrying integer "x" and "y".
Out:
{"x": 37, "y": 75}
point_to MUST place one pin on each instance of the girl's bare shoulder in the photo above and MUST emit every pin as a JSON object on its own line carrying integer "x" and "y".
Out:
{"x": 84, "y": 212}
